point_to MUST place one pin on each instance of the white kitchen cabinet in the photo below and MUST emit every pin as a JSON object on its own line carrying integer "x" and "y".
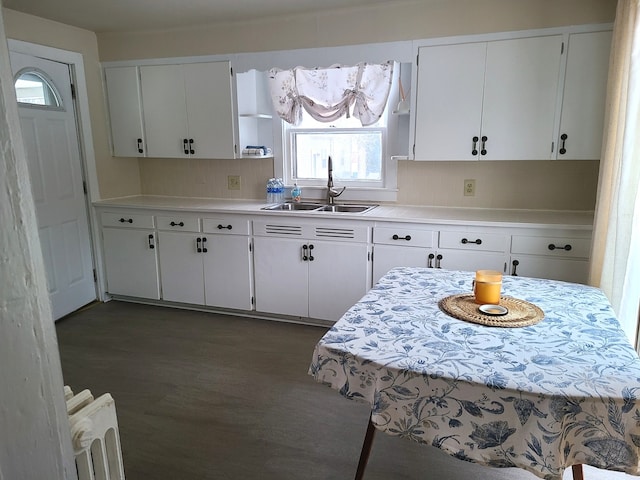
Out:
{"x": 130, "y": 255}
{"x": 188, "y": 110}
{"x": 305, "y": 270}
{"x": 125, "y": 111}
{"x": 205, "y": 265}
{"x": 556, "y": 256}
{"x": 583, "y": 101}
{"x": 228, "y": 264}
{"x": 491, "y": 100}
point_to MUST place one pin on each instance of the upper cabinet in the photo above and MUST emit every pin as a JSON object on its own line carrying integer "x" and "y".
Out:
{"x": 172, "y": 111}
{"x": 255, "y": 113}
{"x": 585, "y": 84}
{"x": 491, "y": 100}
{"x": 188, "y": 110}
{"x": 125, "y": 111}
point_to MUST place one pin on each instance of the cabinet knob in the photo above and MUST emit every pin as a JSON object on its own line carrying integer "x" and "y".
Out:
{"x": 566, "y": 247}
{"x": 204, "y": 248}
{"x": 199, "y": 245}
{"x": 304, "y": 253}
{"x": 228, "y": 227}
{"x": 151, "y": 244}
{"x": 127, "y": 220}
{"x": 563, "y": 137}
{"x": 406, "y": 237}
{"x": 191, "y": 150}
{"x": 430, "y": 260}
{"x": 474, "y": 148}
{"x": 514, "y": 266}
{"x": 140, "y": 150}
{"x": 174, "y": 224}
{"x": 184, "y": 146}
{"x": 477, "y": 241}
{"x": 483, "y": 150}
{"x": 438, "y": 259}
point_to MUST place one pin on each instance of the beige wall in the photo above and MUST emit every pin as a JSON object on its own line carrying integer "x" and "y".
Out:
{"x": 116, "y": 176}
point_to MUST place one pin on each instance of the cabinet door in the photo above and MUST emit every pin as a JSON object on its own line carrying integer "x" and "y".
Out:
{"x": 449, "y": 101}
{"x": 385, "y": 257}
{"x": 338, "y": 278}
{"x": 470, "y": 261}
{"x": 165, "y": 112}
{"x": 520, "y": 98}
{"x": 125, "y": 111}
{"x": 181, "y": 267}
{"x": 131, "y": 263}
{"x": 281, "y": 275}
{"x": 227, "y": 272}
{"x": 568, "y": 270}
{"x": 585, "y": 85}
{"x": 210, "y": 110}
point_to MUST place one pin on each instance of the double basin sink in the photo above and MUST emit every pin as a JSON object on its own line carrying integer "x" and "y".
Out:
{"x": 318, "y": 207}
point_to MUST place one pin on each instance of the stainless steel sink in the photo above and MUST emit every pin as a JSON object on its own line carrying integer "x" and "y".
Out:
{"x": 290, "y": 206}
{"x": 318, "y": 207}
{"x": 347, "y": 208}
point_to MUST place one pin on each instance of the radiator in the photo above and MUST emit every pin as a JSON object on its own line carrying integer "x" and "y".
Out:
{"x": 94, "y": 434}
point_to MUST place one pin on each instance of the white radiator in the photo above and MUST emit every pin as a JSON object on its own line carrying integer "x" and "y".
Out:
{"x": 95, "y": 437}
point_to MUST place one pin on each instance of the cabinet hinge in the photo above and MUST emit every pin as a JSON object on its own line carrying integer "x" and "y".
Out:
{"x": 417, "y": 60}
{"x": 553, "y": 146}
{"x": 562, "y": 49}
{"x": 252, "y": 301}
{"x": 414, "y": 149}
{"x": 231, "y": 71}
{"x": 95, "y": 276}
{"x": 84, "y": 187}
{"x": 235, "y": 148}
{"x": 73, "y": 91}
{"x": 250, "y": 247}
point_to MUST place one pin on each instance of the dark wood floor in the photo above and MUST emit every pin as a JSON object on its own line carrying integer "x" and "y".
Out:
{"x": 207, "y": 396}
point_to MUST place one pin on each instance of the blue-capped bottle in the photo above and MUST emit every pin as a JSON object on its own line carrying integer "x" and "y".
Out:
{"x": 296, "y": 193}
{"x": 271, "y": 197}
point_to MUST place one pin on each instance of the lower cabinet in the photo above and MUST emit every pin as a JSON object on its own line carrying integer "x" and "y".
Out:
{"x": 320, "y": 273}
{"x": 130, "y": 255}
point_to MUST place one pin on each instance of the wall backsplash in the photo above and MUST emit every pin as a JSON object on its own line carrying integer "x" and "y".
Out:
{"x": 546, "y": 185}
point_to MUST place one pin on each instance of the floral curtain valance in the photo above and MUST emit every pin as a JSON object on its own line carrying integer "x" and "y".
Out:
{"x": 330, "y": 93}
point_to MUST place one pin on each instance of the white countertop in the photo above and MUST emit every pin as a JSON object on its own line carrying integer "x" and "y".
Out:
{"x": 578, "y": 220}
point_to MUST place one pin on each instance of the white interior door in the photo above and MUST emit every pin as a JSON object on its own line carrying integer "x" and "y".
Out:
{"x": 53, "y": 154}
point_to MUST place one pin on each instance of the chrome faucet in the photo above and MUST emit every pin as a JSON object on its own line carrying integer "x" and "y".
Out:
{"x": 332, "y": 192}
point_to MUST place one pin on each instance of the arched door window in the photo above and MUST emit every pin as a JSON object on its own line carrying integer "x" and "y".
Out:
{"x": 34, "y": 88}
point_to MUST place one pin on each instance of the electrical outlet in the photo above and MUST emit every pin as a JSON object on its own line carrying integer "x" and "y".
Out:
{"x": 470, "y": 187}
{"x": 233, "y": 182}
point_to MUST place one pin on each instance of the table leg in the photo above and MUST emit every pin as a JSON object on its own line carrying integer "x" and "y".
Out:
{"x": 577, "y": 472}
{"x": 366, "y": 450}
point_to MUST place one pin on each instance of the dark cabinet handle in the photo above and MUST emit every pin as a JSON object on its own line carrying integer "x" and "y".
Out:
{"x": 228, "y": 227}
{"x": 430, "y": 260}
{"x": 140, "y": 150}
{"x": 191, "y": 150}
{"x": 406, "y": 237}
{"x": 567, "y": 247}
{"x": 304, "y": 253}
{"x": 310, "y": 256}
{"x": 483, "y": 150}
{"x": 184, "y": 146}
{"x": 174, "y": 224}
{"x": 563, "y": 137}
{"x": 151, "y": 245}
{"x": 474, "y": 148}
{"x": 199, "y": 245}
{"x": 438, "y": 258}
{"x": 514, "y": 267}
{"x": 477, "y": 241}
{"x": 128, "y": 220}
{"x": 204, "y": 248}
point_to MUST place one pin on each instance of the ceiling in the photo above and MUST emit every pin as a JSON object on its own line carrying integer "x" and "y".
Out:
{"x": 135, "y": 15}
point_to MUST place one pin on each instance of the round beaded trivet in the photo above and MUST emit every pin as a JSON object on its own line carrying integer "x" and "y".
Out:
{"x": 463, "y": 307}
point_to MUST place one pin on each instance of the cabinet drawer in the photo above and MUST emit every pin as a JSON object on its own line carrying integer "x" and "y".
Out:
{"x": 127, "y": 220}
{"x": 474, "y": 241}
{"x": 404, "y": 236}
{"x": 555, "y": 246}
{"x": 179, "y": 223}
{"x": 223, "y": 224}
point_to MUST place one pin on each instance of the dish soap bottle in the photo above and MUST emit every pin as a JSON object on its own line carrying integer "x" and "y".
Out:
{"x": 296, "y": 193}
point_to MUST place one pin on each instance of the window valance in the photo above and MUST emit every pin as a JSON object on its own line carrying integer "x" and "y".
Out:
{"x": 330, "y": 93}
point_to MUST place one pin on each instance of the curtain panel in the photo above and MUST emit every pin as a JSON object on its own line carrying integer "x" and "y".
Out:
{"x": 331, "y": 93}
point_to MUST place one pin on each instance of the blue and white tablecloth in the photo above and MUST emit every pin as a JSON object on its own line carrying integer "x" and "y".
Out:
{"x": 542, "y": 398}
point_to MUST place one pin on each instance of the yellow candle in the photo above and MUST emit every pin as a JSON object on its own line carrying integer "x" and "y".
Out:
{"x": 487, "y": 286}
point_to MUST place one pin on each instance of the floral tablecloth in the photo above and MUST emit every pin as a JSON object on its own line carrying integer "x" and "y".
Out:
{"x": 542, "y": 398}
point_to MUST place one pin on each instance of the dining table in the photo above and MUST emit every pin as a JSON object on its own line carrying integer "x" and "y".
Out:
{"x": 556, "y": 392}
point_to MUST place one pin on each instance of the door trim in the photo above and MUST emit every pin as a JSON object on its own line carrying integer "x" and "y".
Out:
{"x": 85, "y": 138}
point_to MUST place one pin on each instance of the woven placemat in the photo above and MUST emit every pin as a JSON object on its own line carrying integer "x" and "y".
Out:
{"x": 463, "y": 307}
